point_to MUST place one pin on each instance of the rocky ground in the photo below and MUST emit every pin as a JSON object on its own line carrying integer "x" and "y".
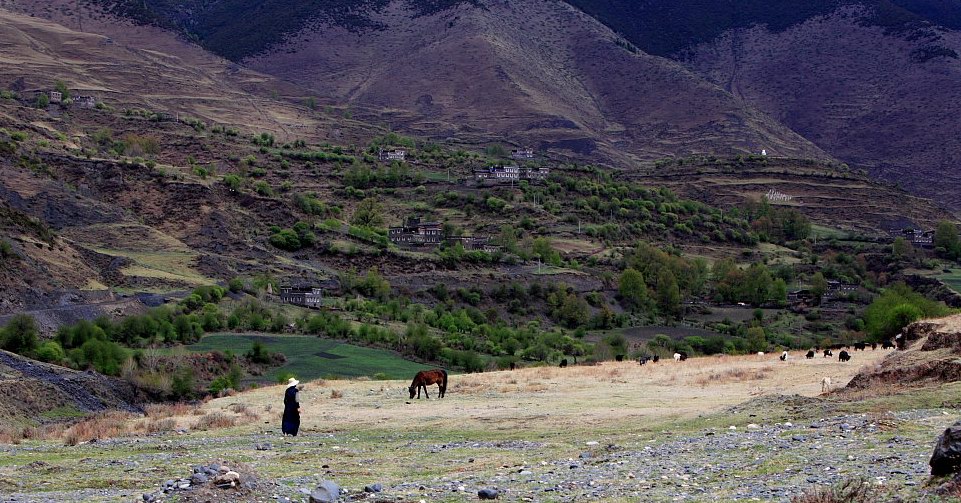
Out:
{"x": 710, "y": 429}
{"x": 758, "y": 461}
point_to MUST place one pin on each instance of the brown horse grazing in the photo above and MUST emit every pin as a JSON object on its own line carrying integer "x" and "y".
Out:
{"x": 425, "y": 378}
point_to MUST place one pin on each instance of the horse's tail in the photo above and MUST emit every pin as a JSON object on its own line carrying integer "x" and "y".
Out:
{"x": 445, "y": 378}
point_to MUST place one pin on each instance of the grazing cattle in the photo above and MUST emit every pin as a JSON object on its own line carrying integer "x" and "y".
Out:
{"x": 563, "y": 363}
{"x": 655, "y": 358}
{"x": 619, "y": 358}
{"x": 810, "y": 354}
{"x": 827, "y": 353}
{"x": 513, "y": 365}
{"x": 760, "y": 353}
{"x": 680, "y": 356}
{"x": 644, "y": 359}
{"x": 783, "y": 356}
{"x": 874, "y": 346}
{"x": 888, "y": 344}
{"x": 859, "y": 346}
{"x": 677, "y": 357}
{"x": 843, "y": 356}
{"x": 825, "y": 385}
{"x": 899, "y": 341}
{"x": 425, "y": 378}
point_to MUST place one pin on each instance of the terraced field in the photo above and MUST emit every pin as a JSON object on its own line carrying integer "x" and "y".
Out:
{"x": 314, "y": 358}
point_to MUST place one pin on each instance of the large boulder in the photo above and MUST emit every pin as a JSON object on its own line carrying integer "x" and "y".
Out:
{"x": 947, "y": 453}
{"x": 326, "y": 492}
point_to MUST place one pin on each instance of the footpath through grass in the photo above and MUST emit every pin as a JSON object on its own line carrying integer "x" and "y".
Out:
{"x": 314, "y": 358}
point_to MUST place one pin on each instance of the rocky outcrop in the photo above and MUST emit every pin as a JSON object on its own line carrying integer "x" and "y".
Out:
{"x": 932, "y": 355}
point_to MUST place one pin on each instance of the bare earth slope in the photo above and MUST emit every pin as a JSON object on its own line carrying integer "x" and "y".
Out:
{"x": 147, "y": 67}
{"x": 537, "y": 72}
{"x": 881, "y": 100}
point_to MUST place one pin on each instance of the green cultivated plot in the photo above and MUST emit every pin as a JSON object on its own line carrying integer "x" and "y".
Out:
{"x": 314, "y": 358}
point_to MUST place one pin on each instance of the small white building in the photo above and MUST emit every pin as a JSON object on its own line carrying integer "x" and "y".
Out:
{"x": 388, "y": 155}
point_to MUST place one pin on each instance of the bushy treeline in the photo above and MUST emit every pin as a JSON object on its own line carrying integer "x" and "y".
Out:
{"x": 897, "y": 307}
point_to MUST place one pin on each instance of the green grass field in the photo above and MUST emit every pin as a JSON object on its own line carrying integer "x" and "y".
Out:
{"x": 314, "y": 358}
{"x": 952, "y": 279}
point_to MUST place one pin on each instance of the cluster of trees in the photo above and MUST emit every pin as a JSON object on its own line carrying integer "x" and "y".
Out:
{"x": 946, "y": 241}
{"x": 755, "y": 285}
{"x": 776, "y": 225}
{"x": 292, "y": 239}
{"x": 897, "y": 307}
{"x": 397, "y": 174}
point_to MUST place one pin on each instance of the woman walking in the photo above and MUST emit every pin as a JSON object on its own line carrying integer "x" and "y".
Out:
{"x": 291, "y": 420}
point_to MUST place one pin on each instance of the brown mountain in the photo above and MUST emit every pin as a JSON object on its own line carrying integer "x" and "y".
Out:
{"x": 880, "y": 99}
{"x": 538, "y": 72}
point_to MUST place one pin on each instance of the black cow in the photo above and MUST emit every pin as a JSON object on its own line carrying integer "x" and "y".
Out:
{"x": 513, "y": 365}
{"x": 564, "y": 363}
{"x": 644, "y": 359}
{"x": 859, "y": 346}
{"x": 827, "y": 353}
{"x": 655, "y": 358}
{"x": 619, "y": 358}
{"x": 683, "y": 355}
{"x": 843, "y": 356}
{"x": 888, "y": 344}
{"x": 810, "y": 354}
{"x": 874, "y": 346}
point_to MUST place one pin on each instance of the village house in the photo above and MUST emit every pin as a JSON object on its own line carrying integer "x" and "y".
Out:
{"x": 837, "y": 289}
{"x": 397, "y": 154}
{"x": 56, "y": 97}
{"x": 302, "y": 296}
{"x": 522, "y": 154}
{"x": 508, "y": 173}
{"x": 917, "y": 237}
{"x": 474, "y": 243}
{"x": 416, "y": 233}
{"x": 85, "y": 101}
{"x": 535, "y": 173}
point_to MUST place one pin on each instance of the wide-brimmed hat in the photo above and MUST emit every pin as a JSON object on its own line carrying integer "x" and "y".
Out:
{"x": 292, "y": 382}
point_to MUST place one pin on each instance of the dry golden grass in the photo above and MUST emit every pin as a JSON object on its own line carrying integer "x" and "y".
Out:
{"x": 610, "y": 393}
{"x": 100, "y": 426}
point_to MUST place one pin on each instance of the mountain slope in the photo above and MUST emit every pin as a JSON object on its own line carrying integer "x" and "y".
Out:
{"x": 536, "y": 73}
{"x": 881, "y": 102}
{"x": 873, "y": 82}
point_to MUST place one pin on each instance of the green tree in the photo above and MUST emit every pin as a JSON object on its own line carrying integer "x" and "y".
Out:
{"x": 756, "y": 288}
{"x": 668, "y": 294}
{"x": 756, "y": 340}
{"x": 369, "y": 213}
{"x": 946, "y": 240}
{"x": 901, "y": 249}
{"x": 819, "y": 285}
{"x": 43, "y": 101}
{"x": 19, "y": 335}
{"x": 633, "y": 289}
{"x": 779, "y": 291}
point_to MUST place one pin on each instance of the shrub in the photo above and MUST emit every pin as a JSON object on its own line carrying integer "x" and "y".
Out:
{"x": 258, "y": 353}
{"x": 235, "y": 285}
{"x": 105, "y": 357}
{"x": 51, "y": 352}
{"x": 19, "y": 335}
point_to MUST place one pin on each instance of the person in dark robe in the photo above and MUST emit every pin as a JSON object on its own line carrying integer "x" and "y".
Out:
{"x": 291, "y": 420}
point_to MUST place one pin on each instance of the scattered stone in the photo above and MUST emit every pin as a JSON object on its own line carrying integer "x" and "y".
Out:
{"x": 946, "y": 458}
{"x": 227, "y": 479}
{"x": 264, "y": 447}
{"x": 488, "y": 494}
{"x": 199, "y": 478}
{"x": 326, "y": 492}
{"x": 373, "y": 488}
